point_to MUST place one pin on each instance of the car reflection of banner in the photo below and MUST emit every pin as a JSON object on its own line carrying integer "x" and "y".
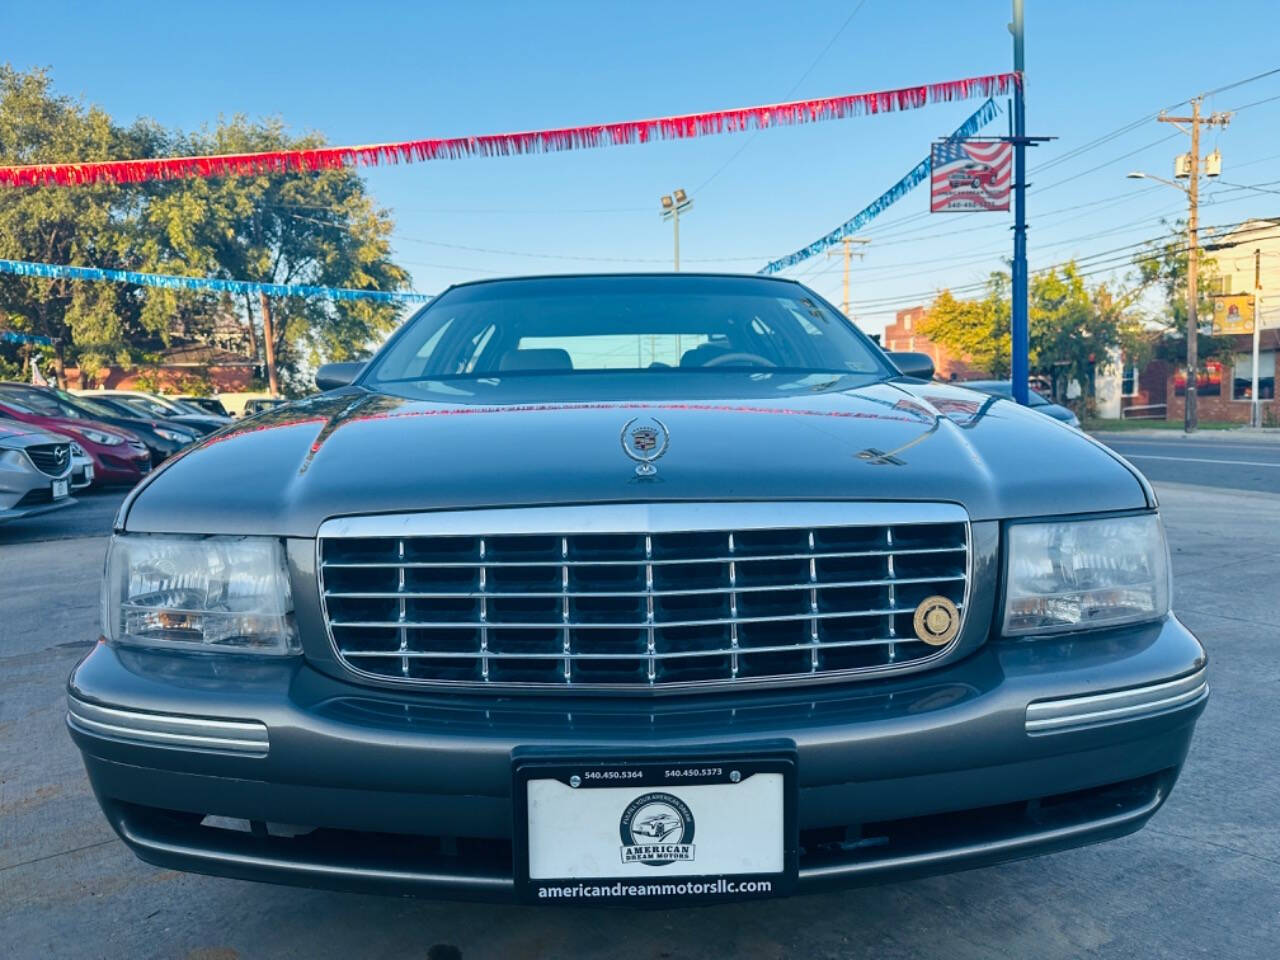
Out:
{"x": 1233, "y": 313}
{"x": 1208, "y": 383}
{"x": 971, "y": 175}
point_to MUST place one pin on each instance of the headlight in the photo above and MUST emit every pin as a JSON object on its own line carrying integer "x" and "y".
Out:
{"x": 106, "y": 439}
{"x": 1075, "y": 575}
{"x": 77, "y": 450}
{"x": 177, "y": 436}
{"x": 14, "y": 460}
{"x": 208, "y": 593}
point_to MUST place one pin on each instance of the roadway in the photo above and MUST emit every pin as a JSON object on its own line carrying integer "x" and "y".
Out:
{"x": 1205, "y": 460}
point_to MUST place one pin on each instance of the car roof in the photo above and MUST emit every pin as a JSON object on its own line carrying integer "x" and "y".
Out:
{"x": 655, "y": 274}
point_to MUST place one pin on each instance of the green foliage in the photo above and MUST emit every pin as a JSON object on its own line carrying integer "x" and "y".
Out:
{"x": 976, "y": 329}
{"x": 312, "y": 228}
{"x": 1072, "y": 326}
{"x": 148, "y": 379}
{"x": 1162, "y": 266}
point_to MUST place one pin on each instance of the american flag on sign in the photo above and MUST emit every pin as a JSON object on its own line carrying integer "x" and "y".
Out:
{"x": 971, "y": 175}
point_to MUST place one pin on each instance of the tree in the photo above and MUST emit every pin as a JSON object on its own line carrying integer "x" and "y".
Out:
{"x": 1073, "y": 327}
{"x": 976, "y": 329}
{"x": 1162, "y": 266}
{"x": 304, "y": 228}
{"x": 88, "y": 225}
{"x": 317, "y": 228}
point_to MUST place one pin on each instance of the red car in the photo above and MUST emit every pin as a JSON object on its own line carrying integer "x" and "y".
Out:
{"x": 974, "y": 176}
{"x": 118, "y": 455}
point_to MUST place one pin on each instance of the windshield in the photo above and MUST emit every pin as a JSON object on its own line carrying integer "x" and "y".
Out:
{"x": 82, "y": 405}
{"x": 660, "y": 325}
{"x": 42, "y": 404}
{"x": 145, "y": 407}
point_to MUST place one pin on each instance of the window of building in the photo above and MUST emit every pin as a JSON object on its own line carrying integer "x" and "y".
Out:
{"x": 1242, "y": 384}
{"x": 1208, "y": 383}
{"x": 1129, "y": 381}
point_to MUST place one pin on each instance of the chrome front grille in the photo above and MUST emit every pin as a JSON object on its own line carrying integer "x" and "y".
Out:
{"x": 639, "y": 595}
{"x": 50, "y": 458}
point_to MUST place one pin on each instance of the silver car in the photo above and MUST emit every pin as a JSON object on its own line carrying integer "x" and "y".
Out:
{"x": 35, "y": 471}
{"x": 81, "y": 467}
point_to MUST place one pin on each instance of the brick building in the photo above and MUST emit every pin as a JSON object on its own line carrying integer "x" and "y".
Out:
{"x": 1224, "y": 392}
{"x": 902, "y": 335}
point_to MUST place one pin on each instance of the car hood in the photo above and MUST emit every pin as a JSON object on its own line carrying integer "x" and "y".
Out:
{"x": 16, "y": 435}
{"x": 353, "y": 452}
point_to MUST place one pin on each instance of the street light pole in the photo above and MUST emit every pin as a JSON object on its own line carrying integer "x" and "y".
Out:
{"x": 1020, "y": 365}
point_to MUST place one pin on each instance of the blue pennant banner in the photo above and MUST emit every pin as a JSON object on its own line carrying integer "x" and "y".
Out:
{"x": 984, "y": 115}
{"x": 13, "y": 336}
{"x": 23, "y": 268}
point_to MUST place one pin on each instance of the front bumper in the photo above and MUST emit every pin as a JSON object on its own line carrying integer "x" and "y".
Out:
{"x": 343, "y": 786}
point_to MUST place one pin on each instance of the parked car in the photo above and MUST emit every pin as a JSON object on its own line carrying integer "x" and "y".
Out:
{"x": 259, "y": 404}
{"x": 118, "y": 455}
{"x": 459, "y": 633}
{"x": 1037, "y": 402}
{"x": 209, "y": 404}
{"x": 154, "y": 405}
{"x": 139, "y": 408}
{"x": 163, "y": 438}
{"x": 35, "y": 471}
{"x": 81, "y": 467}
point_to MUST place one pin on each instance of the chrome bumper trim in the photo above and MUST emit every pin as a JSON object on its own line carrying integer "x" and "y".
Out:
{"x": 1135, "y": 703}
{"x": 239, "y": 737}
{"x": 647, "y": 517}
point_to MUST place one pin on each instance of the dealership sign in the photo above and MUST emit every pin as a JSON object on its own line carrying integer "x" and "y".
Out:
{"x": 1233, "y": 313}
{"x": 971, "y": 175}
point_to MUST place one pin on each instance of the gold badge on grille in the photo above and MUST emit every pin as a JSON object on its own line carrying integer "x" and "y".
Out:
{"x": 936, "y": 621}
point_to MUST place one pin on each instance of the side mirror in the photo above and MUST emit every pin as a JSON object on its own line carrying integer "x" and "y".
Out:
{"x": 918, "y": 365}
{"x": 330, "y": 376}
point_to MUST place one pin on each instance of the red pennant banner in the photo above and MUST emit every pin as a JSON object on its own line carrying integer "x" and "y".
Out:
{"x": 504, "y": 144}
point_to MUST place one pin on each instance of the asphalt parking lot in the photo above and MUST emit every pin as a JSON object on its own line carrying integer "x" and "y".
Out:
{"x": 1202, "y": 880}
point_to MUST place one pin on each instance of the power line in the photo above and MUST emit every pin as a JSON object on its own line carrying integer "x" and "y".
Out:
{"x": 790, "y": 93}
{"x": 1096, "y": 268}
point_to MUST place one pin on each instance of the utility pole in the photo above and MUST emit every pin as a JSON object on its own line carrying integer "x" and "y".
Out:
{"x": 1255, "y": 414}
{"x": 1020, "y": 366}
{"x": 1190, "y": 418}
{"x": 269, "y": 344}
{"x": 672, "y": 206}
{"x": 848, "y": 255}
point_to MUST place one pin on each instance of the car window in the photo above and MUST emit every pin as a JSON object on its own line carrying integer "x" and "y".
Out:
{"x": 85, "y": 405}
{"x": 147, "y": 408}
{"x": 569, "y": 326}
{"x": 33, "y": 401}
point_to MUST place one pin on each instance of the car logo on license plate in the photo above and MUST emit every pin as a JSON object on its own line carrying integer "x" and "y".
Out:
{"x": 657, "y": 829}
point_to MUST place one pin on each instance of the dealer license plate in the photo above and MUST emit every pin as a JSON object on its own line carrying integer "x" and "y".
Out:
{"x": 678, "y": 831}
{"x": 59, "y": 489}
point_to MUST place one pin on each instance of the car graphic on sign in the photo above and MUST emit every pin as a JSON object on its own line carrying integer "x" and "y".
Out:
{"x": 659, "y": 826}
{"x": 974, "y": 175}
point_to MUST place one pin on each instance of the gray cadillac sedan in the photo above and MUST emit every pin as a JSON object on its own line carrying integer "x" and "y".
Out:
{"x": 641, "y": 589}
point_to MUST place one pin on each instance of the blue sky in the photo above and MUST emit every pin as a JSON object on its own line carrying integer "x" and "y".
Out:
{"x": 374, "y": 72}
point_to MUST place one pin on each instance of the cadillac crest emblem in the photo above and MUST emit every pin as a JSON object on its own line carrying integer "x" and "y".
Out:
{"x": 645, "y": 444}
